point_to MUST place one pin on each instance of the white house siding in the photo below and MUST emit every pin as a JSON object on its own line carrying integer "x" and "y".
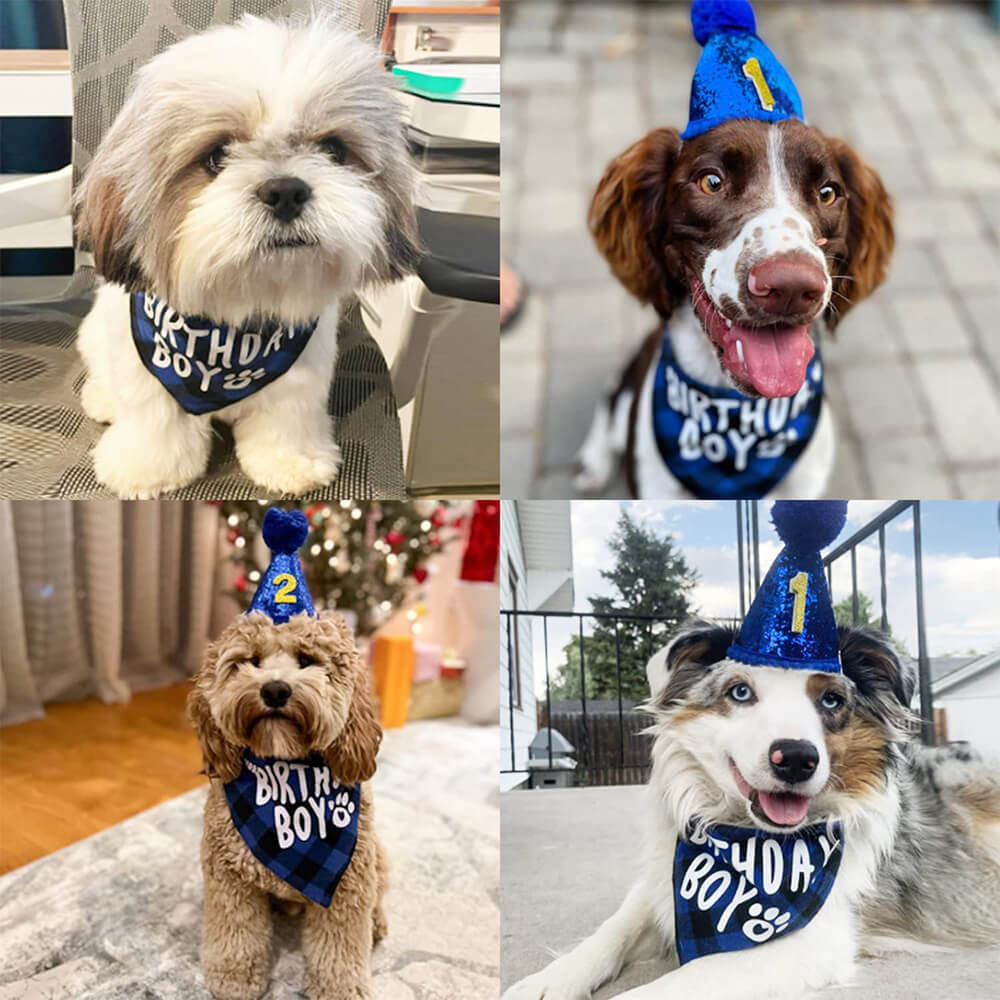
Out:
{"x": 973, "y": 709}
{"x": 524, "y": 725}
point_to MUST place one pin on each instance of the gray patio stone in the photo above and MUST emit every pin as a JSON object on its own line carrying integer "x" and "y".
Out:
{"x": 965, "y": 406}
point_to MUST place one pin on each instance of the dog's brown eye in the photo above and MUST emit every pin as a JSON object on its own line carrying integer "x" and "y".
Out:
{"x": 305, "y": 660}
{"x": 215, "y": 160}
{"x": 827, "y": 194}
{"x": 254, "y": 661}
{"x": 710, "y": 183}
{"x": 334, "y": 148}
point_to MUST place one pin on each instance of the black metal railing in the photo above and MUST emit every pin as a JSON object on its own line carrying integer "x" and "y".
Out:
{"x": 849, "y": 547}
{"x": 608, "y": 744}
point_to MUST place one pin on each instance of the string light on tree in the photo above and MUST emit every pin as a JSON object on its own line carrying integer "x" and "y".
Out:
{"x": 364, "y": 557}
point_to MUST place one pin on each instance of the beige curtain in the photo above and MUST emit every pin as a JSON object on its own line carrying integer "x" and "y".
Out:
{"x": 105, "y": 597}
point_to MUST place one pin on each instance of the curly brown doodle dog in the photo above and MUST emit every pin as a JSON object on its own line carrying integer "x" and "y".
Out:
{"x": 289, "y": 735}
{"x": 749, "y": 233}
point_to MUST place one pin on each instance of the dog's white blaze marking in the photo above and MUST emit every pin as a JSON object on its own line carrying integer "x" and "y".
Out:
{"x": 782, "y": 228}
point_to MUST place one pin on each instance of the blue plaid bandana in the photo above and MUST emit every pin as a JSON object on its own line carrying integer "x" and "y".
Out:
{"x": 735, "y": 888}
{"x": 722, "y": 445}
{"x": 206, "y": 366}
{"x": 297, "y": 820}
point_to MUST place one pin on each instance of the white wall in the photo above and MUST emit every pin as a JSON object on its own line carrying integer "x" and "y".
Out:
{"x": 525, "y": 725}
{"x": 973, "y": 710}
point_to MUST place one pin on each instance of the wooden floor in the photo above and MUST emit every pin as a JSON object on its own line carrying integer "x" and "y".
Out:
{"x": 88, "y": 765}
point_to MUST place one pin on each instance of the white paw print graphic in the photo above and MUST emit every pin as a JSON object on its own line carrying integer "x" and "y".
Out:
{"x": 760, "y": 928}
{"x": 242, "y": 379}
{"x": 343, "y": 809}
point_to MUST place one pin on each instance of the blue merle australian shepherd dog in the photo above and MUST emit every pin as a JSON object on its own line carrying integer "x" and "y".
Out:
{"x": 916, "y": 829}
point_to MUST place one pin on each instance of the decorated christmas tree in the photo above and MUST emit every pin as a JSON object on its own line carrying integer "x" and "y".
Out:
{"x": 364, "y": 558}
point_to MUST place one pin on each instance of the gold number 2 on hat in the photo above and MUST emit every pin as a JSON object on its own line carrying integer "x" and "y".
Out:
{"x": 285, "y": 594}
{"x": 753, "y": 72}
{"x": 798, "y": 585}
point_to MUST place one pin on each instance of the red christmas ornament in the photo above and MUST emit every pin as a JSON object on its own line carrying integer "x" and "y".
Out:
{"x": 479, "y": 561}
{"x": 439, "y": 517}
{"x": 312, "y": 510}
{"x": 231, "y": 535}
{"x": 395, "y": 539}
{"x": 420, "y": 574}
{"x": 240, "y": 583}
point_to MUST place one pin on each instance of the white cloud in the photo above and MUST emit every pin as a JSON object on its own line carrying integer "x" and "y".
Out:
{"x": 959, "y": 590}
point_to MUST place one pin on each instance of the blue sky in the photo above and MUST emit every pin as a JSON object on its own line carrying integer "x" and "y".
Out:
{"x": 961, "y": 545}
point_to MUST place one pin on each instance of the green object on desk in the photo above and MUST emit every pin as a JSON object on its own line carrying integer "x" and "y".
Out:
{"x": 439, "y": 85}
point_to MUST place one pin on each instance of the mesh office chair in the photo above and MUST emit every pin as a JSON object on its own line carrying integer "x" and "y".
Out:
{"x": 45, "y": 438}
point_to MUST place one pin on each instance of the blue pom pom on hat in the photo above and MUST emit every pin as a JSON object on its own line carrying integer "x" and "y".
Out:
{"x": 282, "y": 591}
{"x": 737, "y": 76}
{"x": 791, "y": 622}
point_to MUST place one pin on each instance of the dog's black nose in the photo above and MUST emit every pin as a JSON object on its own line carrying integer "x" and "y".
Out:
{"x": 285, "y": 196}
{"x": 793, "y": 760}
{"x": 275, "y": 693}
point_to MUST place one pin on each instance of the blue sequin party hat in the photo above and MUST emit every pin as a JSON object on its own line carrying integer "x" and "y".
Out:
{"x": 737, "y": 76}
{"x": 282, "y": 591}
{"x": 791, "y": 623}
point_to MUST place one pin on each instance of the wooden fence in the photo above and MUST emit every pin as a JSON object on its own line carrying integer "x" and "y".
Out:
{"x": 606, "y": 753}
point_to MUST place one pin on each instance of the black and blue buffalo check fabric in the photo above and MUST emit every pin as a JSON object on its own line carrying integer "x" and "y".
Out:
{"x": 737, "y": 887}
{"x": 297, "y": 820}
{"x": 722, "y": 445}
{"x": 206, "y": 366}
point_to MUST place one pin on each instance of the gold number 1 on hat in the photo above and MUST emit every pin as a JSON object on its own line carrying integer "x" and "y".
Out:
{"x": 753, "y": 72}
{"x": 285, "y": 594}
{"x": 798, "y": 585}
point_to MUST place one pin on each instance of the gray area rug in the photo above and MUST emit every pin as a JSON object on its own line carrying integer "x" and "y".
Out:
{"x": 118, "y": 915}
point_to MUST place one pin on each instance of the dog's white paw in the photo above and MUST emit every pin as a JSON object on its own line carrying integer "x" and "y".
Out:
{"x": 137, "y": 466}
{"x": 591, "y": 478}
{"x": 546, "y": 985}
{"x": 289, "y": 471}
{"x": 96, "y": 401}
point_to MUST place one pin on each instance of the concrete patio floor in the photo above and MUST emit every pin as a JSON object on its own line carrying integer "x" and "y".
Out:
{"x": 568, "y": 857}
{"x": 914, "y": 373}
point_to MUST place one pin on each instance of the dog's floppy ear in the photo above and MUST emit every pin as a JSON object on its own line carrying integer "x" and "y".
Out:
{"x": 401, "y": 248}
{"x": 221, "y": 758}
{"x": 870, "y": 236}
{"x": 628, "y": 221}
{"x": 694, "y": 649}
{"x": 351, "y": 756}
{"x": 868, "y": 659}
{"x": 101, "y": 223}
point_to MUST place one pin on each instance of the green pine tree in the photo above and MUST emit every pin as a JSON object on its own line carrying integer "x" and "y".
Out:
{"x": 843, "y": 613}
{"x": 650, "y": 577}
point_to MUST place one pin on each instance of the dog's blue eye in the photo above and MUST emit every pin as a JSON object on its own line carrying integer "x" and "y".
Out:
{"x": 831, "y": 702}
{"x": 741, "y": 692}
{"x": 334, "y": 148}
{"x": 305, "y": 660}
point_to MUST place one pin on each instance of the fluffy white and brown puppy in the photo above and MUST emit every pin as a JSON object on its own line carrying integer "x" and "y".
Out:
{"x": 293, "y": 691}
{"x": 257, "y": 175}
{"x": 921, "y": 827}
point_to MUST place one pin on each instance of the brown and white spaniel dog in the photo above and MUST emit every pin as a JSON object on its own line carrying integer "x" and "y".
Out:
{"x": 748, "y": 240}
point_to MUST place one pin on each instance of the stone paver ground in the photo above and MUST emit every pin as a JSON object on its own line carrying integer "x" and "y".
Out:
{"x": 914, "y": 373}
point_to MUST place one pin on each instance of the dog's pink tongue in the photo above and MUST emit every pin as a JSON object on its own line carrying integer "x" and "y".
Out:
{"x": 774, "y": 361}
{"x": 784, "y": 808}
